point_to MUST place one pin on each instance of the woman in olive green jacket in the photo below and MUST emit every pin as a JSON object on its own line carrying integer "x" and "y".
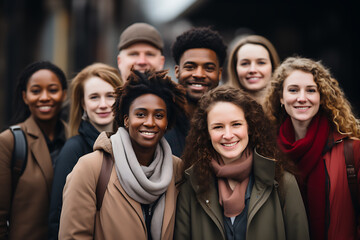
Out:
{"x": 231, "y": 190}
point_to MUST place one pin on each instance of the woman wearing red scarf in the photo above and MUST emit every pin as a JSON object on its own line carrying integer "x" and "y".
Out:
{"x": 234, "y": 188}
{"x": 314, "y": 119}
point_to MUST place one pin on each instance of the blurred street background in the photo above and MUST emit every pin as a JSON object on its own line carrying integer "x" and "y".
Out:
{"x": 75, "y": 33}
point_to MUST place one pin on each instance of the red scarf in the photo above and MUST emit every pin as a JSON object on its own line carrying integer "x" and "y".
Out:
{"x": 307, "y": 154}
{"x": 233, "y": 201}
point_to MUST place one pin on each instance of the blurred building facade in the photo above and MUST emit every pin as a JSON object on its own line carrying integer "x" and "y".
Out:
{"x": 76, "y": 33}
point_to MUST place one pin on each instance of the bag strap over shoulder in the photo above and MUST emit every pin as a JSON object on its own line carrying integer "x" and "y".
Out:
{"x": 19, "y": 155}
{"x": 351, "y": 173}
{"x": 104, "y": 178}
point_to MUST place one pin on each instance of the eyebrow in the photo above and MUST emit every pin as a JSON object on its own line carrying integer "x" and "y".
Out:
{"x": 145, "y": 109}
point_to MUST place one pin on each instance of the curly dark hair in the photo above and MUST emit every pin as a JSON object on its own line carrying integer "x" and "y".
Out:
{"x": 200, "y": 37}
{"x": 22, "y": 111}
{"x": 199, "y": 151}
{"x": 154, "y": 82}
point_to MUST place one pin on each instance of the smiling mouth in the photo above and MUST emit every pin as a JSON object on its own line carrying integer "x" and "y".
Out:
{"x": 148, "y": 133}
{"x": 45, "y": 108}
{"x": 229, "y": 144}
{"x": 253, "y": 79}
{"x": 301, "y": 108}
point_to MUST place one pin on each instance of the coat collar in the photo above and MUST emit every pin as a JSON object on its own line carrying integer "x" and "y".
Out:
{"x": 264, "y": 174}
{"x": 169, "y": 211}
{"x": 38, "y": 148}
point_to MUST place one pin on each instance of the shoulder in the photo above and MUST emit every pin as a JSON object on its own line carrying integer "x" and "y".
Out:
{"x": 177, "y": 166}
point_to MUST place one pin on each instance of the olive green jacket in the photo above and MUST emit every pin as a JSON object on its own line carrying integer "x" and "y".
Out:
{"x": 271, "y": 215}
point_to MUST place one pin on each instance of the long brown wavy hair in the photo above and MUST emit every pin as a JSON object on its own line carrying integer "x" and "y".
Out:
{"x": 332, "y": 99}
{"x": 233, "y": 79}
{"x": 199, "y": 151}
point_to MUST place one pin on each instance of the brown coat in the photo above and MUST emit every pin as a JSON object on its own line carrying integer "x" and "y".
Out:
{"x": 120, "y": 217}
{"x": 28, "y": 212}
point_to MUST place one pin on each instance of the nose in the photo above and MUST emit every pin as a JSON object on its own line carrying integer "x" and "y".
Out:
{"x": 102, "y": 103}
{"x": 199, "y": 73}
{"x": 301, "y": 97}
{"x": 142, "y": 59}
{"x": 44, "y": 96}
{"x": 228, "y": 134}
{"x": 252, "y": 68}
{"x": 149, "y": 122}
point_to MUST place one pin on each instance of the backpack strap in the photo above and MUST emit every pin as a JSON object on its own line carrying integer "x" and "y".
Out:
{"x": 19, "y": 155}
{"x": 351, "y": 173}
{"x": 104, "y": 178}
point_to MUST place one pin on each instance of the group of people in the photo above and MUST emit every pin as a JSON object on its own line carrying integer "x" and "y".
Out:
{"x": 263, "y": 156}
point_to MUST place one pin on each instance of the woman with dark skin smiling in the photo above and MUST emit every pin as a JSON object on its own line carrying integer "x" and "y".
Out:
{"x": 315, "y": 124}
{"x": 140, "y": 199}
{"x": 40, "y": 92}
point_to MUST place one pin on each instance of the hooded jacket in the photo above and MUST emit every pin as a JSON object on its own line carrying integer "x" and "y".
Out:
{"x": 120, "y": 216}
{"x": 271, "y": 215}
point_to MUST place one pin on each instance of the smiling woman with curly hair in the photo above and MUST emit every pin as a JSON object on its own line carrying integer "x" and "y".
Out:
{"x": 237, "y": 183}
{"x": 315, "y": 126}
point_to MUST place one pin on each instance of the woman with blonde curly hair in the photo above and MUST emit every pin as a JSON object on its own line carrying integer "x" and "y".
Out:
{"x": 314, "y": 122}
{"x": 234, "y": 188}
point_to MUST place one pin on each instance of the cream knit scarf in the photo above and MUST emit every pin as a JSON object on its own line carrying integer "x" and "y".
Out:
{"x": 144, "y": 184}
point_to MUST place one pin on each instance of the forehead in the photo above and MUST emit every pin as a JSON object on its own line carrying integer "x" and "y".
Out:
{"x": 148, "y": 101}
{"x": 225, "y": 111}
{"x": 298, "y": 77}
{"x": 96, "y": 84}
{"x": 250, "y": 50}
{"x": 199, "y": 56}
{"x": 43, "y": 77}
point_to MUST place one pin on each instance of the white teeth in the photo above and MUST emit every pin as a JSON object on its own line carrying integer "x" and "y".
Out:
{"x": 301, "y": 108}
{"x": 44, "y": 108}
{"x": 197, "y": 85}
{"x": 229, "y": 144}
{"x": 148, "y": 133}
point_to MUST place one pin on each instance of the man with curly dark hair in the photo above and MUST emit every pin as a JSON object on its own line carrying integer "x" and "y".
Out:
{"x": 199, "y": 54}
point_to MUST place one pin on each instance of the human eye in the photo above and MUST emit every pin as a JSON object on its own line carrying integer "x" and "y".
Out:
{"x": 133, "y": 53}
{"x": 244, "y": 63}
{"x": 210, "y": 68}
{"x": 312, "y": 90}
{"x": 189, "y": 67}
{"x": 140, "y": 114}
{"x": 93, "y": 97}
{"x": 110, "y": 95}
{"x": 35, "y": 90}
{"x": 150, "y": 54}
{"x": 292, "y": 89}
{"x": 159, "y": 115}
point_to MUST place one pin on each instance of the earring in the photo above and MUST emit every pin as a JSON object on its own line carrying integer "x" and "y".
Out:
{"x": 85, "y": 117}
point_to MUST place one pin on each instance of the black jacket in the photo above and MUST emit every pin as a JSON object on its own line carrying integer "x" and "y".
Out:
{"x": 73, "y": 149}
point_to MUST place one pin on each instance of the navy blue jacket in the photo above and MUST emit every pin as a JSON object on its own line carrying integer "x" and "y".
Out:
{"x": 73, "y": 149}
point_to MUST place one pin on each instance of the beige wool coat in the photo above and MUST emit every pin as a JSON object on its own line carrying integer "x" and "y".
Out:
{"x": 120, "y": 217}
{"x": 28, "y": 211}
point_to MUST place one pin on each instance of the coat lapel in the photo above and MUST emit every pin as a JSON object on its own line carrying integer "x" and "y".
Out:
{"x": 134, "y": 204}
{"x": 39, "y": 150}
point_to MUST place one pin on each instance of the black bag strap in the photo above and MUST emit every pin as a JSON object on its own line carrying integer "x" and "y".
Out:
{"x": 19, "y": 155}
{"x": 351, "y": 173}
{"x": 104, "y": 178}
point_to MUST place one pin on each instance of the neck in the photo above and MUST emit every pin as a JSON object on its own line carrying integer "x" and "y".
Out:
{"x": 190, "y": 108}
{"x": 103, "y": 128}
{"x": 300, "y": 129}
{"x": 259, "y": 96}
{"x": 48, "y": 127}
{"x": 145, "y": 156}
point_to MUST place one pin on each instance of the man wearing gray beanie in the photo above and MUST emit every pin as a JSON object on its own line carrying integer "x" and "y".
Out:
{"x": 141, "y": 47}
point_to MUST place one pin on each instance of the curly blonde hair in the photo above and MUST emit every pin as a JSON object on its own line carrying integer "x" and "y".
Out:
{"x": 332, "y": 98}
